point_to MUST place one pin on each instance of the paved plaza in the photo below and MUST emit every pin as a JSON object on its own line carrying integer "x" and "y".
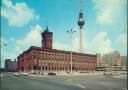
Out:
{"x": 63, "y": 82}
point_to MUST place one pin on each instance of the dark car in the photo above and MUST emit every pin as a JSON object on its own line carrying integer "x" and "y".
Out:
{"x": 51, "y": 73}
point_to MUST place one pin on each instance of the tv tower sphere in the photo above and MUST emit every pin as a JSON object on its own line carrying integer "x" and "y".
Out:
{"x": 81, "y": 20}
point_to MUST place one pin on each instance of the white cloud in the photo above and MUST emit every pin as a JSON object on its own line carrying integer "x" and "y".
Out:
{"x": 121, "y": 43}
{"x": 33, "y": 38}
{"x": 123, "y": 39}
{"x": 18, "y": 14}
{"x": 6, "y": 54}
{"x": 101, "y": 44}
{"x": 109, "y": 11}
{"x": 105, "y": 17}
{"x": 75, "y": 43}
{"x": 60, "y": 46}
{"x": 67, "y": 46}
{"x": 3, "y": 41}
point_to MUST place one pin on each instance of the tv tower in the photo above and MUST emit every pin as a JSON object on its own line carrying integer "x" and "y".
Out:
{"x": 81, "y": 24}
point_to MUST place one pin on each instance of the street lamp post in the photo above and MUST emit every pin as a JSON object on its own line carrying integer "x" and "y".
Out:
{"x": 71, "y": 32}
{"x": 41, "y": 66}
{"x": 44, "y": 64}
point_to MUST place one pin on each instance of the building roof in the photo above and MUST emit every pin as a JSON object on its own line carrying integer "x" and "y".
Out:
{"x": 55, "y": 51}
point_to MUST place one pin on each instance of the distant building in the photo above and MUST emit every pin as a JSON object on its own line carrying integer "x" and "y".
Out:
{"x": 109, "y": 62}
{"x": 99, "y": 60}
{"x": 10, "y": 66}
{"x": 124, "y": 62}
{"x": 117, "y": 56}
{"x": 112, "y": 59}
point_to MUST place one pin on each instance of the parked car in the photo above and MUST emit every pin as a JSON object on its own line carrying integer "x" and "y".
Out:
{"x": 24, "y": 74}
{"x": 16, "y": 74}
{"x": 51, "y": 73}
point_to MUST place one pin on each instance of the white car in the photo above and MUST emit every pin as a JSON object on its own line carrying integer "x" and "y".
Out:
{"x": 16, "y": 74}
{"x": 24, "y": 74}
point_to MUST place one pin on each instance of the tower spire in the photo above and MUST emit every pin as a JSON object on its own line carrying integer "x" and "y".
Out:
{"x": 47, "y": 29}
{"x": 81, "y": 6}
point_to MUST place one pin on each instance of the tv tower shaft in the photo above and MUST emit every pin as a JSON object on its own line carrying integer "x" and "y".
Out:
{"x": 81, "y": 41}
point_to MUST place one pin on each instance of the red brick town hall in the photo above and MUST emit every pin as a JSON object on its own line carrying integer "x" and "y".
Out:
{"x": 47, "y": 59}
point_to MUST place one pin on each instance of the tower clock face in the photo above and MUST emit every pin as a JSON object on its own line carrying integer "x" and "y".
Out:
{"x": 48, "y": 37}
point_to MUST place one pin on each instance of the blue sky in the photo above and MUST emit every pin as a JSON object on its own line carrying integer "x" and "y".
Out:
{"x": 22, "y": 21}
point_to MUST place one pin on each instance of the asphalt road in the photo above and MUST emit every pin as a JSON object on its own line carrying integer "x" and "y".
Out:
{"x": 97, "y": 82}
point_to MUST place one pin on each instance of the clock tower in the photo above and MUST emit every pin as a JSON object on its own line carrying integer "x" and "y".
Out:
{"x": 47, "y": 39}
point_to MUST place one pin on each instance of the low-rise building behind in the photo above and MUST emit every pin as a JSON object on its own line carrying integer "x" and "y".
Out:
{"x": 10, "y": 66}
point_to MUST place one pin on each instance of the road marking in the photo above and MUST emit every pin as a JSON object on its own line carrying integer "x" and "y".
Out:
{"x": 80, "y": 85}
{"x": 69, "y": 80}
{"x": 124, "y": 88}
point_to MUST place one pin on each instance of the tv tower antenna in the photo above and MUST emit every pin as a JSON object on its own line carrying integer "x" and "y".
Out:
{"x": 81, "y": 24}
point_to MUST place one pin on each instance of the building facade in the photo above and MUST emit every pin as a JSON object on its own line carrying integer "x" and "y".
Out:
{"x": 112, "y": 59}
{"x": 10, "y": 66}
{"x": 99, "y": 60}
{"x": 124, "y": 62}
{"x": 47, "y": 59}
